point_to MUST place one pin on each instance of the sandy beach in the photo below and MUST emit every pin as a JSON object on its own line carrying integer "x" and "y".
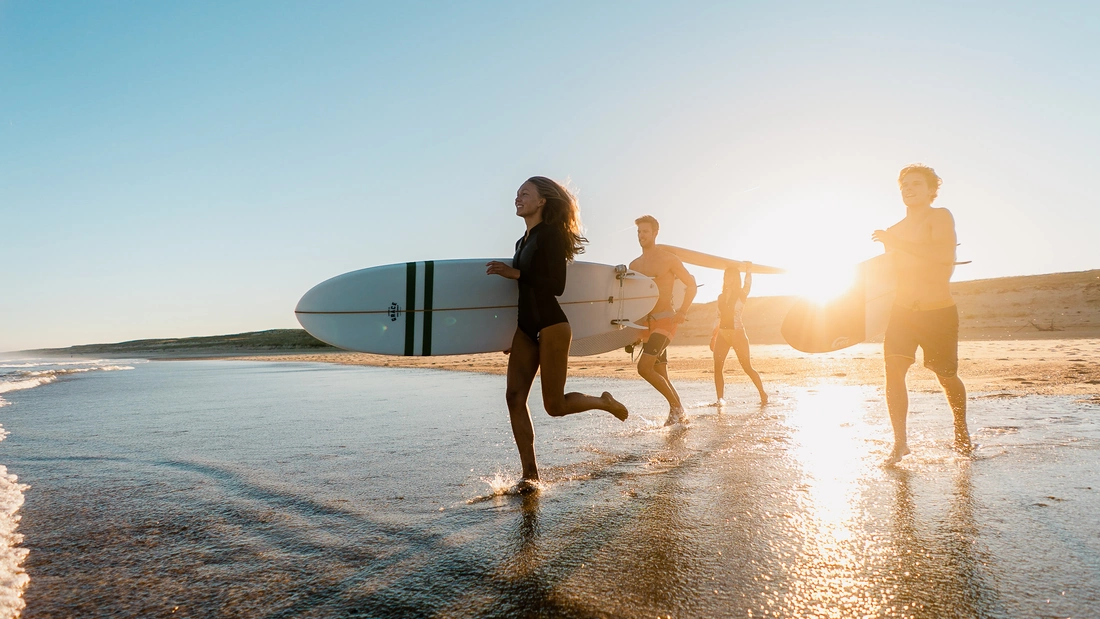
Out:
{"x": 784, "y": 508}
{"x": 1032, "y": 334}
{"x": 255, "y": 489}
{"x": 1020, "y": 367}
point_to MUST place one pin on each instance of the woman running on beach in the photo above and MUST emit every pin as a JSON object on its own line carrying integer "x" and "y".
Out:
{"x": 730, "y": 332}
{"x": 543, "y": 335}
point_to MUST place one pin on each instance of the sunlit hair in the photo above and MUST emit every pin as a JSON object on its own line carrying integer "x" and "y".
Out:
{"x": 561, "y": 211}
{"x": 648, "y": 219}
{"x": 928, "y": 173}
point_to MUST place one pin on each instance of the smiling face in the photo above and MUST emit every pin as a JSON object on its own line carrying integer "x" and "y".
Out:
{"x": 647, "y": 235}
{"x": 915, "y": 191}
{"x": 528, "y": 201}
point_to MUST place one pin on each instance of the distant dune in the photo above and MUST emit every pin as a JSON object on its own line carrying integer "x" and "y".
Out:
{"x": 272, "y": 340}
{"x": 1053, "y": 306}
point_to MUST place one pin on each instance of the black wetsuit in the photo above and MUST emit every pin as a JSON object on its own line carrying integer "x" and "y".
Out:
{"x": 541, "y": 263}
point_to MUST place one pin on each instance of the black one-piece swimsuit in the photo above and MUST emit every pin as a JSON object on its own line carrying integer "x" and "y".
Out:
{"x": 540, "y": 258}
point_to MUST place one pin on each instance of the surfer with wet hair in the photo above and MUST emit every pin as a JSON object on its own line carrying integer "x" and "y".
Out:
{"x": 730, "y": 331}
{"x": 924, "y": 313}
{"x": 665, "y": 268}
{"x": 543, "y": 334}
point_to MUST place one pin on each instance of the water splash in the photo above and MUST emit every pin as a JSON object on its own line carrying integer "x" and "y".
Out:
{"x": 502, "y": 484}
{"x": 13, "y": 578}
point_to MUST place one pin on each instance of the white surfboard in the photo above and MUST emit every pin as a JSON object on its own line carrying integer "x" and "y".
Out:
{"x": 619, "y": 340}
{"x": 451, "y": 307}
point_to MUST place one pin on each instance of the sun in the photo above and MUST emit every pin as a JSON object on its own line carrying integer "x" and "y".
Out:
{"x": 820, "y": 281}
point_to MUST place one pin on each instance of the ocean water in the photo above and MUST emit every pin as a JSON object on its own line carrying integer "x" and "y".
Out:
{"x": 238, "y": 489}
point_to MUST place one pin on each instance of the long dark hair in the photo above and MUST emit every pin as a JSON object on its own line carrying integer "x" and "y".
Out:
{"x": 562, "y": 212}
{"x": 733, "y": 274}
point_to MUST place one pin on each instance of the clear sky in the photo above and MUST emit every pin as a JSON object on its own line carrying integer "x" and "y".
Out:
{"x": 171, "y": 169}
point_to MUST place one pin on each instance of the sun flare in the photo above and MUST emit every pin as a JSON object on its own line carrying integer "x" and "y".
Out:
{"x": 821, "y": 281}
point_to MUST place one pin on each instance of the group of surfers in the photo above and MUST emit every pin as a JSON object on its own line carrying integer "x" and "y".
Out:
{"x": 924, "y": 314}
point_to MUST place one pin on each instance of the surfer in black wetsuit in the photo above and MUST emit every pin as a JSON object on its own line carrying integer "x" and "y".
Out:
{"x": 730, "y": 332}
{"x": 543, "y": 334}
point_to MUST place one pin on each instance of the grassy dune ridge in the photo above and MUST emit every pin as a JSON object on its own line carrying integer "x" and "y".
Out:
{"x": 272, "y": 340}
{"x": 1052, "y": 306}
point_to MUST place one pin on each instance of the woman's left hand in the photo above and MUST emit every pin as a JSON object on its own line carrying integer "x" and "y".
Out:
{"x": 496, "y": 267}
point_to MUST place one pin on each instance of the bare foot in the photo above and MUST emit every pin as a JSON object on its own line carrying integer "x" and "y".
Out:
{"x": 675, "y": 416}
{"x": 899, "y": 452}
{"x": 963, "y": 444}
{"x": 614, "y": 406}
{"x": 763, "y": 398}
{"x": 525, "y": 486}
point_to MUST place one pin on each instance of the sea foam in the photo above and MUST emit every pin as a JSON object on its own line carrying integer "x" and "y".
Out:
{"x": 13, "y": 578}
{"x": 20, "y": 376}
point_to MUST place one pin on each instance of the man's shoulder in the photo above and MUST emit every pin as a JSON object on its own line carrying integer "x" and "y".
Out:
{"x": 655, "y": 262}
{"x": 942, "y": 219}
{"x": 936, "y": 215}
{"x": 666, "y": 258}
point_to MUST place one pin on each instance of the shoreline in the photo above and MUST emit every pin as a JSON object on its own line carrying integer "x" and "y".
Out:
{"x": 1007, "y": 367}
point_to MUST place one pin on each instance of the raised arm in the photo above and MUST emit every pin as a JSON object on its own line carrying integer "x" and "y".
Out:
{"x": 748, "y": 282}
{"x": 683, "y": 275}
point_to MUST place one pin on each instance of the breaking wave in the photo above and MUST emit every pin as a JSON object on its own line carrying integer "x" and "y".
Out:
{"x": 20, "y": 375}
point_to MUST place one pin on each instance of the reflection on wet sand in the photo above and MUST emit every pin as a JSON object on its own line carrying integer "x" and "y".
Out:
{"x": 934, "y": 565}
{"x": 765, "y": 514}
{"x": 779, "y": 511}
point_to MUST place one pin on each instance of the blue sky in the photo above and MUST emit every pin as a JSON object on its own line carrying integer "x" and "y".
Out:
{"x": 192, "y": 168}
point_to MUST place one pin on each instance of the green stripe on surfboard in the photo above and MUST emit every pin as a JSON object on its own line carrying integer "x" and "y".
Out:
{"x": 429, "y": 286}
{"x": 410, "y": 303}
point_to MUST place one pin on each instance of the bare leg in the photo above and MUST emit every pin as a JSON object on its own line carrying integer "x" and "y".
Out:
{"x": 662, "y": 368}
{"x": 897, "y": 402}
{"x": 955, "y": 391}
{"x": 648, "y": 371}
{"x": 742, "y": 350}
{"x": 721, "y": 349}
{"x": 522, "y": 365}
{"x": 554, "y": 360}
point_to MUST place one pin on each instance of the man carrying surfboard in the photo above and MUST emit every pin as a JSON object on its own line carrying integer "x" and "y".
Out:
{"x": 924, "y": 313}
{"x": 662, "y": 321}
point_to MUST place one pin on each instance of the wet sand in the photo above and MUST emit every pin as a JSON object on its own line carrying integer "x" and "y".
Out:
{"x": 1019, "y": 367}
{"x": 214, "y": 489}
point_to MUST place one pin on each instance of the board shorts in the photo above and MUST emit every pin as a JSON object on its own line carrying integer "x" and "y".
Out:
{"x": 935, "y": 331}
{"x": 661, "y": 329}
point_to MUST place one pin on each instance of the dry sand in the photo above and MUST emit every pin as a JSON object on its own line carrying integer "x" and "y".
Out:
{"x": 1033, "y": 334}
{"x": 1065, "y": 367}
